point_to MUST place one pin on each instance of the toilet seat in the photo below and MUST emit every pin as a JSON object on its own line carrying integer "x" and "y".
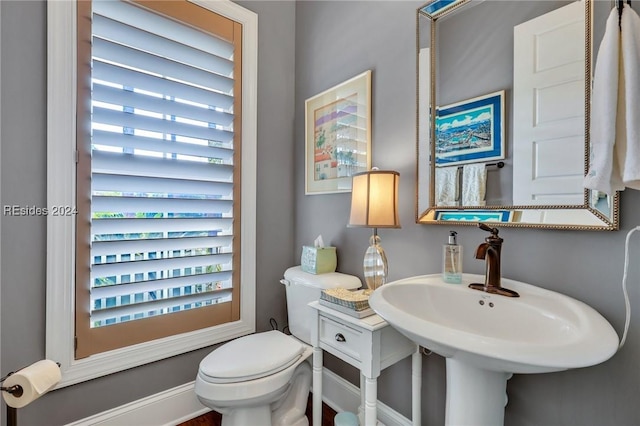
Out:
{"x": 251, "y": 357}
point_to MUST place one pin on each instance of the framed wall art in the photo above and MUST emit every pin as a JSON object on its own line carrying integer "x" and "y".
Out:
{"x": 338, "y": 135}
{"x": 471, "y": 131}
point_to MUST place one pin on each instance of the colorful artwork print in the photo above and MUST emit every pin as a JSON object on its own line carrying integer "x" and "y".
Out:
{"x": 470, "y": 131}
{"x": 336, "y": 139}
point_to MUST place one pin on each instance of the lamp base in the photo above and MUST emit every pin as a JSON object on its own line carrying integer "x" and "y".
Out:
{"x": 375, "y": 263}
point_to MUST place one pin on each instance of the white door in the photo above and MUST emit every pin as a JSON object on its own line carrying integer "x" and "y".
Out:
{"x": 548, "y": 105}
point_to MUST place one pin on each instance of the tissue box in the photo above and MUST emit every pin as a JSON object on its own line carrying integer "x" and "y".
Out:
{"x": 318, "y": 260}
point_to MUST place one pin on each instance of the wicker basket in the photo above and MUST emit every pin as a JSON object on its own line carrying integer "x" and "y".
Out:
{"x": 352, "y": 299}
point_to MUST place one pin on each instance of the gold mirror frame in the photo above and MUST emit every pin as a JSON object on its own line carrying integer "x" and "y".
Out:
{"x": 427, "y": 216}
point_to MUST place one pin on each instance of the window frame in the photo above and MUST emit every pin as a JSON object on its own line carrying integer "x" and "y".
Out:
{"x": 61, "y": 181}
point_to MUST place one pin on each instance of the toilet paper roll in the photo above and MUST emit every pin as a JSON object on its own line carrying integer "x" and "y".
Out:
{"x": 35, "y": 381}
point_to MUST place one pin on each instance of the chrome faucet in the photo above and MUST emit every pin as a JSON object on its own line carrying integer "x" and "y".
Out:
{"x": 490, "y": 250}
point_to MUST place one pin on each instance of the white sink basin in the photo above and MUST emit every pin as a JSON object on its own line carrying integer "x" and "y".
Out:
{"x": 486, "y": 337}
{"x": 538, "y": 332}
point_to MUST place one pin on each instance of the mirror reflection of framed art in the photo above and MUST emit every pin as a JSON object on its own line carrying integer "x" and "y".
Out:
{"x": 471, "y": 131}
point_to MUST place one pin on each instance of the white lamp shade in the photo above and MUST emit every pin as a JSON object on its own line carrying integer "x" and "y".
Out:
{"x": 374, "y": 199}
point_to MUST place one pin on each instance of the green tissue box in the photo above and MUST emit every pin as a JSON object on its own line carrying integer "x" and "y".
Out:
{"x": 318, "y": 260}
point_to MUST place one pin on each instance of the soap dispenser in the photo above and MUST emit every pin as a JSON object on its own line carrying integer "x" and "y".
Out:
{"x": 452, "y": 260}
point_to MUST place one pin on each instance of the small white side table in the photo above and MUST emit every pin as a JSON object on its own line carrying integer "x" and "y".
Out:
{"x": 368, "y": 344}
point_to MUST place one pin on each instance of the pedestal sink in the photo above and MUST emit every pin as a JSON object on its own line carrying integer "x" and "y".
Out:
{"x": 486, "y": 338}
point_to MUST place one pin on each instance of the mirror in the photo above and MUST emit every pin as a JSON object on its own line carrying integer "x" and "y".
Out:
{"x": 509, "y": 85}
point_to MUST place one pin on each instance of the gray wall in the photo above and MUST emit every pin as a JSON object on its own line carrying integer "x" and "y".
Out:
{"x": 23, "y": 182}
{"x": 337, "y": 40}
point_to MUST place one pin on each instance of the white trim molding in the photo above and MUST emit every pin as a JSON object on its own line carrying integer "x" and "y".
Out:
{"x": 167, "y": 408}
{"x": 61, "y": 158}
{"x": 180, "y": 404}
{"x": 342, "y": 395}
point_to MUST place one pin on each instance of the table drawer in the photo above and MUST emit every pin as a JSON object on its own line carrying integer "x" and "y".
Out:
{"x": 341, "y": 337}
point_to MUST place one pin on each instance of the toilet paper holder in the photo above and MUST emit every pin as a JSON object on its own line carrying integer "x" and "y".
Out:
{"x": 17, "y": 391}
{"x": 12, "y": 412}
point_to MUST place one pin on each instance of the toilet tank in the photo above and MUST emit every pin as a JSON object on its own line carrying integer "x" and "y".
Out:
{"x": 303, "y": 288}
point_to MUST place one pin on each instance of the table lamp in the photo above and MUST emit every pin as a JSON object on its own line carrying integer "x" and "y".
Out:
{"x": 374, "y": 204}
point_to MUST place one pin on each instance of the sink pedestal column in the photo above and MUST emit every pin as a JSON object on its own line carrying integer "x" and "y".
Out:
{"x": 474, "y": 396}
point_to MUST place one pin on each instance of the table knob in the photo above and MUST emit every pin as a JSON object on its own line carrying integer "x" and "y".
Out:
{"x": 340, "y": 337}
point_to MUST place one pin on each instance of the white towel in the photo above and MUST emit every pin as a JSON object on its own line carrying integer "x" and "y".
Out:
{"x": 615, "y": 143}
{"x": 446, "y": 186}
{"x": 474, "y": 184}
{"x": 603, "y": 172}
{"x": 630, "y": 34}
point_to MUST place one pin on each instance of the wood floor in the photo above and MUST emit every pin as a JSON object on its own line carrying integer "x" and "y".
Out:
{"x": 214, "y": 419}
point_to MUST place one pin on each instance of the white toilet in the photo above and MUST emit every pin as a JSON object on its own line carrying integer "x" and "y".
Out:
{"x": 264, "y": 379}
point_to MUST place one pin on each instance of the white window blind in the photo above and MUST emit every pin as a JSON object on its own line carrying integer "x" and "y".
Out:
{"x": 162, "y": 171}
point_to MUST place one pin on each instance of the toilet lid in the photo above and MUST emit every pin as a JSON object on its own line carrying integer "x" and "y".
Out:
{"x": 251, "y": 357}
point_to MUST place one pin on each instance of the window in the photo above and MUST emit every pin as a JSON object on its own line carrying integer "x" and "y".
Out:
{"x": 156, "y": 173}
{"x": 162, "y": 248}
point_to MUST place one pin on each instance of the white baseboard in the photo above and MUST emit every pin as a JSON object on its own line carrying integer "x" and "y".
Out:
{"x": 341, "y": 395}
{"x": 180, "y": 404}
{"x": 166, "y": 408}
